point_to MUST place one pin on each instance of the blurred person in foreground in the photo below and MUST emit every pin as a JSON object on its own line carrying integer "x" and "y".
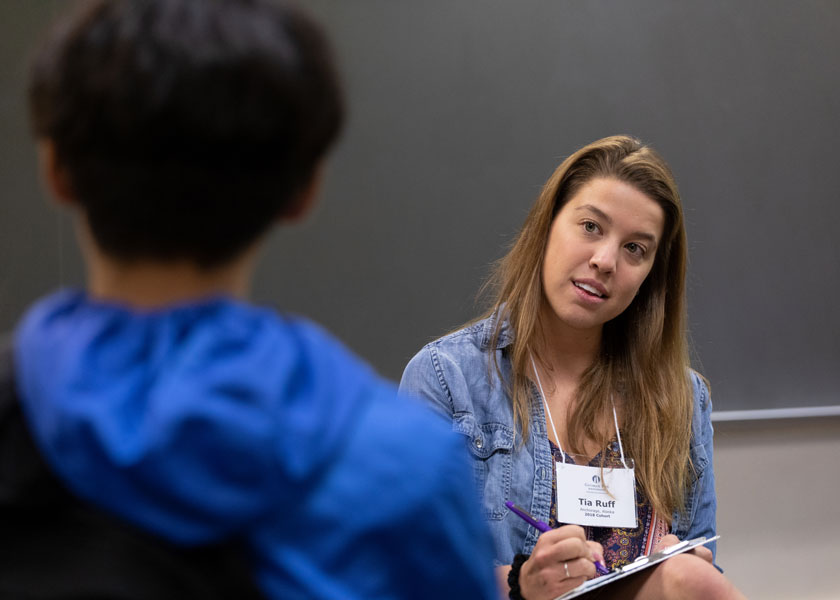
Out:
{"x": 180, "y": 132}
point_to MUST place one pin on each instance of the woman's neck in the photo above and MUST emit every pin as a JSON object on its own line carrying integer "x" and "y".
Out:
{"x": 563, "y": 354}
{"x": 566, "y": 352}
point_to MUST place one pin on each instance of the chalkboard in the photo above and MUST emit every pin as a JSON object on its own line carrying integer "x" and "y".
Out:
{"x": 459, "y": 111}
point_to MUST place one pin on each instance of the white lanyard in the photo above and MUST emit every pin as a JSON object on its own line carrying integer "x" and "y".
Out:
{"x": 589, "y": 495}
{"x": 554, "y": 429}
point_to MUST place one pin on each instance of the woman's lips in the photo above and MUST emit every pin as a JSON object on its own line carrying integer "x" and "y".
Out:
{"x": 591, "y": 288}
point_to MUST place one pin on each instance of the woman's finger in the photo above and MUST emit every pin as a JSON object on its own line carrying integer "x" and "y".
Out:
{"x": 597, "y": 551}
{"x": 598, "y": 557}
{"x": 580, "y": 567}
{"x": 548, "y": 553}
{"x": 704, "y": 553}
{"x": 564, "y": 532}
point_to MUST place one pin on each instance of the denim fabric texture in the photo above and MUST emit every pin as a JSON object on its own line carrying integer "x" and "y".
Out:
{"x": 456, "y": 376}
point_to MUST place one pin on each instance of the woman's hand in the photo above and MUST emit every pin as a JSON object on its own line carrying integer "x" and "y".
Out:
{"x": 701, "y": 551}
{"x": 562, "y": 559}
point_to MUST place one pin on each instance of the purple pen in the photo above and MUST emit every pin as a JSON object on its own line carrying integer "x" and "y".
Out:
{"x": 542, "y": 526}
{"x": 521, "y": 512}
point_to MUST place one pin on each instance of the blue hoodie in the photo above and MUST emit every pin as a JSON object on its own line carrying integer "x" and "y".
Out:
{"x": 219, "y": 419}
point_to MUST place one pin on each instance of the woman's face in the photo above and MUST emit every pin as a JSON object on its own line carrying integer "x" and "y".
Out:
{"x": 601, "y": 246}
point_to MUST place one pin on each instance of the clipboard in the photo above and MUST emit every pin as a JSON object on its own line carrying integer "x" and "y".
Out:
{"x": 640, "y": 564}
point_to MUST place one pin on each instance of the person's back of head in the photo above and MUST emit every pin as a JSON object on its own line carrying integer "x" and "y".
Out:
{"x": 180, "y": 131}
{"x": 185, "y": 128}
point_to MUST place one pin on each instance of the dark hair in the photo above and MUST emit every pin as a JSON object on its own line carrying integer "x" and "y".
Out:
{"x": 185, "y": 127}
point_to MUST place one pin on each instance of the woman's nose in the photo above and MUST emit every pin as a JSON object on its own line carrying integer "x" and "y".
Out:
{"x": 604, "y": 258}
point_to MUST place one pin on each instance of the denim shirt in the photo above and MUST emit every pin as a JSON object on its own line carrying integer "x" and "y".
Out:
{"x": 455, "y": 375}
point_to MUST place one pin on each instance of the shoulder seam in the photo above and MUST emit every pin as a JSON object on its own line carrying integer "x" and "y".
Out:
{"x": 433, "y": 354}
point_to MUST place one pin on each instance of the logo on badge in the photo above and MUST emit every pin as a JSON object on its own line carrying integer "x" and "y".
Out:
{"x": 596, "y": 479}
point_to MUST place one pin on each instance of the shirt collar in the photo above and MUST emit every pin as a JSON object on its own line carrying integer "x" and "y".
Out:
{"x": 506, "y": 335}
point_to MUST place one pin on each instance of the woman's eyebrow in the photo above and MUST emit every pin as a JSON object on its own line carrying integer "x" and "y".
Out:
{"x": 598, "y": 212}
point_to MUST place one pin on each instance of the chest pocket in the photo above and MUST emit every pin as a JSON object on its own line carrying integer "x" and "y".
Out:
{"x": 490, "y": 447}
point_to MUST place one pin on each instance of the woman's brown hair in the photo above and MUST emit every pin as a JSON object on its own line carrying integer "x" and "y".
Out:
{"x": 643, "y": 356}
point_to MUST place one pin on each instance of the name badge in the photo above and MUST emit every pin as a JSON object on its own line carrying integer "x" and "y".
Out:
{"x": 582, "y": 499}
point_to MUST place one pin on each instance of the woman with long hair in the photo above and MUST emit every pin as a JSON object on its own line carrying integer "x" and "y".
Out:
{"x": 582, "y": 361}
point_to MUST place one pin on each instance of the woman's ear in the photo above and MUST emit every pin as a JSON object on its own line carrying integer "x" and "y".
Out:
{"x": 304, "y": 200}
{"x": 55, "y": 176}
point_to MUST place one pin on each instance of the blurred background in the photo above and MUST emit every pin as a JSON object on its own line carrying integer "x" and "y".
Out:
{"x": 459, "y": 110}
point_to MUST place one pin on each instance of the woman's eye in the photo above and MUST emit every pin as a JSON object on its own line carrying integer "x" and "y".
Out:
{"x": 590, "y": 227}
{"x": 635, "y": 249}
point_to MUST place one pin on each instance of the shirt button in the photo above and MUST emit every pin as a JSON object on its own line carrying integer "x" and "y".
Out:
{"x": 541, "y": 473}
{"x": 478, "y": 443}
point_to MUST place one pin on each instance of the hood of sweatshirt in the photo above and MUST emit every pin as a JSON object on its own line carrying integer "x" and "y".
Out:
{"x": 193, "y": 419}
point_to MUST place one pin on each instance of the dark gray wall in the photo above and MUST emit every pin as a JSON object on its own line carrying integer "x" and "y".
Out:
{"x": 461, "y": 109}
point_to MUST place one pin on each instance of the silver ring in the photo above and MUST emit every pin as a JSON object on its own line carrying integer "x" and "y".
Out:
{"x": 566, "y": 566}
